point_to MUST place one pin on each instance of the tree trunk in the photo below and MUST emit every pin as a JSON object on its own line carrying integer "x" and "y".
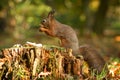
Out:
{"x": 100, "y": 17}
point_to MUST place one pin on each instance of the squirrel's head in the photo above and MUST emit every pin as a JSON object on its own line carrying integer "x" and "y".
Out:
{"x": 47, "y": 21}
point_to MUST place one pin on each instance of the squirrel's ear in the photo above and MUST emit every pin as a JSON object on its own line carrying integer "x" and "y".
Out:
{"x": 51, "y": 14}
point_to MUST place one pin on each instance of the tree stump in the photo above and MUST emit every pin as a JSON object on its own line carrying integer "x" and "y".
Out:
{"x": 37, "y": 61}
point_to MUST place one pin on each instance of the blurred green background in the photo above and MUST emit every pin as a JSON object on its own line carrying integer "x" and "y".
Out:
{"x": 97, "y": 22}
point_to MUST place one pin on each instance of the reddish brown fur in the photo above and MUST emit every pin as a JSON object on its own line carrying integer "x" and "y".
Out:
{"x": 64, "y": 32}
{"x": 69, "y": 39}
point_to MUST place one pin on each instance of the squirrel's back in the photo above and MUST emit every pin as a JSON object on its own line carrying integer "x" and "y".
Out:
{"x": 68, "y": 37}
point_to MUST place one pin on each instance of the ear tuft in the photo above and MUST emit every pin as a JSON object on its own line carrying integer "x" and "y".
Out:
{"x": 51, "y": 13}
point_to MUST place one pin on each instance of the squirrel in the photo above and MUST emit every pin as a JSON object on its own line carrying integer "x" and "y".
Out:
{"x": 69, "y": 39}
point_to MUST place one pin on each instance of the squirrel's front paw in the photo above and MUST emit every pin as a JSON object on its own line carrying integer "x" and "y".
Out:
{"x": 43, "y": 29}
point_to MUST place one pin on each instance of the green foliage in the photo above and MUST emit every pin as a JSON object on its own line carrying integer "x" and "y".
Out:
{"x": 50, "y": 47}
{"x": 100, "y": 76}
{"x": 116, "y": 27}
{"x": 29, "y": 12}
{"x": 117, "y": 60}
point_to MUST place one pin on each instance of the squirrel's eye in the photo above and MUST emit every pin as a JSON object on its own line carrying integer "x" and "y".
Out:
{"x": 43, "y": 21}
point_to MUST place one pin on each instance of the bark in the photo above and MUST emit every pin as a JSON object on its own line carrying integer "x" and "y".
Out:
{"x": 100, "y": 17}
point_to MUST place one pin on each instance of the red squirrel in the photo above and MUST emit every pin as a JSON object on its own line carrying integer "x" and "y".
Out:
{"x": 69, "y": 39}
